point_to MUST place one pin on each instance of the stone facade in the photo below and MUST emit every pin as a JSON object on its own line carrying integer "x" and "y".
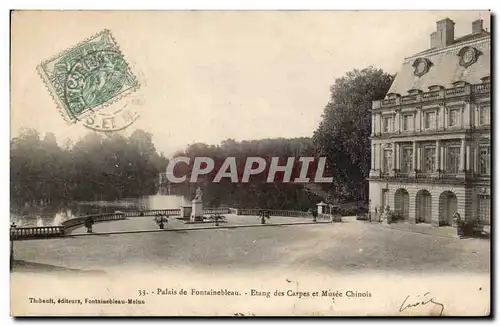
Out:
{"x": 431, "y": 134}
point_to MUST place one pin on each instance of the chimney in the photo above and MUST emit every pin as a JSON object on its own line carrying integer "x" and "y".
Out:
{"x": 477, "y": 26}
{"x": 444, "y": 34}
{"x": 435, "y": 42}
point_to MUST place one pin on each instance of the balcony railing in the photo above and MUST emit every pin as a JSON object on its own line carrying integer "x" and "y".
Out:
{"x": 437, "y": 176}
{"x": 434, "y": 95}
{"x": 455, "y": 91}
{"x": 390, "y": 102}
{"x": 482, "y": 88}
{"x": 410, "y": 99}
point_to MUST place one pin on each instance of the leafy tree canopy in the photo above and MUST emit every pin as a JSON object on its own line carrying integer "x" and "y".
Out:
{"x": 343, "y": 135}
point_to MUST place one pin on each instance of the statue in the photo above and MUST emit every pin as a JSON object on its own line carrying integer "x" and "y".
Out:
{"x": 197, "y": 211}
{"x": 199, "y": 194}
{"x": 459, "y": 224}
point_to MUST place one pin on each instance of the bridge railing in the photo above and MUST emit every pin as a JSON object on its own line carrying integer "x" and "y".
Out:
{"x": 19, "y": 233}
{"x": 80, "y": 220}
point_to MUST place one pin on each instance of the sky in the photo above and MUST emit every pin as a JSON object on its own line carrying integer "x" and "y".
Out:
{"x": 209, "y": 76}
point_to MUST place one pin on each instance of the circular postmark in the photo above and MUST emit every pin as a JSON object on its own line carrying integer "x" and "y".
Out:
{"x": 116, "y": 120}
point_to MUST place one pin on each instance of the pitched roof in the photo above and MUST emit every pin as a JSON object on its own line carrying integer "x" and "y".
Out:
{"x": 461, "y": 39}
{"x": 445, "y": 68}
{"x": 472, "y": 36}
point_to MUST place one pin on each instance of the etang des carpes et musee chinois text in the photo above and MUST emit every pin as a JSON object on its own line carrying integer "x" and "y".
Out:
{"x": 308, "y": 294}
{"x": 268, "y": 294}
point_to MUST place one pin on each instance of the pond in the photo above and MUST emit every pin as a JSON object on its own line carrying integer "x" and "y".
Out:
{"x": 51, "y": 216}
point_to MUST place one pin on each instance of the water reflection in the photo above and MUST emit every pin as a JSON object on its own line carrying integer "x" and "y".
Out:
{"x": 48, "y": 216}
{"x": 164, "y": 201}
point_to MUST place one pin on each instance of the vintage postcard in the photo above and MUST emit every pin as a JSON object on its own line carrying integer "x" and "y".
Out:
{"x": 250, "y": 163}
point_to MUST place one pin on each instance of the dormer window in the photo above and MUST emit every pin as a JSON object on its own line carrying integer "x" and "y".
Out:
{"x": 414, "y": 91}
{"x": 393, "y": 95}
{"x": 486, "y": 80}
{"x": 459, "y": 83}
{"x": 434, "y": 88}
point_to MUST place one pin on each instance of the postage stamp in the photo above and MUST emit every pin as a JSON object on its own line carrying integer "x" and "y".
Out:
{"x": 88, "y": 77}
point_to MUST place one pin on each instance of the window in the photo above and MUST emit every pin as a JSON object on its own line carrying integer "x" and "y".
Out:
{"x": 429, "y": 159}
{"x": 406, "y": 159}
{"x": 387, "y": 160}
{"x": 387, "y": 124}
{"x": 484, "y": 115}
{"x": 484, "y": 160}
{"x": 453, "y": 118}
{"x": 408, "y": 122}
{"x": 484, "y": 211}
{"x": 430, "y": 120}
{"x": 453, "y": 159}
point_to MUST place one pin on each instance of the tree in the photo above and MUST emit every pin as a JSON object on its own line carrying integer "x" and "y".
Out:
{"x": 96, "y": 167}
{"x": 26, "y": 169}
{"x": 343, "y": 135}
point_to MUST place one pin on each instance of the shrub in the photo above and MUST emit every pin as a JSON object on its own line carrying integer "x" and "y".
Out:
{"x": 467, "y": 228}
{"x": 395, "y": 216}
{"x": 354, "y": 208}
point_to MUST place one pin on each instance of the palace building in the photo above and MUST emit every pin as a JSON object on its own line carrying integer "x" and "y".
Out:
{"x": 431, "y": 133}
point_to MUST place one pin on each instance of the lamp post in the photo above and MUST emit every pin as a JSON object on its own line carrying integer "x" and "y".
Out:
{"x": 12, "y": 227}
{"x": 370, "y": 210}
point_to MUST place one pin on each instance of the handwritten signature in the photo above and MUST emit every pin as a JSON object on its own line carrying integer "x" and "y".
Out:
{"x": 420, "y": 301}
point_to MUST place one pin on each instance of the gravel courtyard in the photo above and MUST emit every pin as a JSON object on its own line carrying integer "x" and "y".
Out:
{"x": 339, "y": 247}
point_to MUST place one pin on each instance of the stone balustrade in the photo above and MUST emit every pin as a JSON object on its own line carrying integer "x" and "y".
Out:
{"x": 153, "y": 212}
{"x": 36, "y": 232}
{"x": 466, "y": 90}
{"x": 482, "y": 88}
{"x": 272, "y": 212}
{"x": 222, "y": 210}
{"x": 26, "y": 233}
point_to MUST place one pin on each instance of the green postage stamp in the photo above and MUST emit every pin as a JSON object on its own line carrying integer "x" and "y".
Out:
{"x": 88, "y": 77}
